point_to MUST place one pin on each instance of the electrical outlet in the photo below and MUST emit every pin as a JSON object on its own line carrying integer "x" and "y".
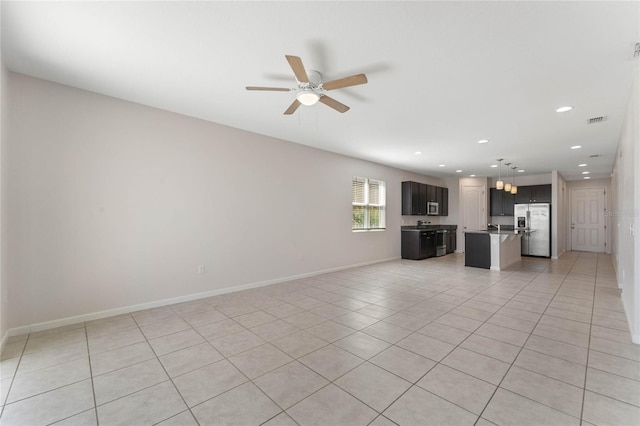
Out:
{"x": 201, "y": 269}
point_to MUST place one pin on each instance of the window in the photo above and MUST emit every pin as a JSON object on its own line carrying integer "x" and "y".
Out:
{"x": 368, "y": 201}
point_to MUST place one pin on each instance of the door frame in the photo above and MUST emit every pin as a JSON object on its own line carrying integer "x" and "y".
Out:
{"x": 607, "y": 228}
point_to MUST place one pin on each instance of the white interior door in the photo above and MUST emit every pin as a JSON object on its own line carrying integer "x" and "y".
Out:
{"x": 473, "y": 209}
{"x": 587, "y": 220}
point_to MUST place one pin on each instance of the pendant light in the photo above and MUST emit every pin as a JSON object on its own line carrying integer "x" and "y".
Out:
{"x": 514, "y": 188}
{"x": 499, "y": 182}
{"x": 507, "y": 185}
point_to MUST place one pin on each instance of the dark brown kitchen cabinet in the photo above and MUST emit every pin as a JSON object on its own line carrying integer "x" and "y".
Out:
{"x": 524, "y": 195}
{"x": 418, "y": 244}
{"x": 432, "y": 196}
{"x": 444, "y": 202}
{"x": 501, "y": 202}
{"x": 451, "y": 241}
{"x": 414, "y": 198}
{"x": 541, "y": 194}
{"x": 534, "y": 194}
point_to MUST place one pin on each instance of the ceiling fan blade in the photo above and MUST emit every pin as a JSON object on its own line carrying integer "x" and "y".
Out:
{"x": 298, "y": 69}
{"x": 353, "y": 80}
{"x": 330, "y": 102}
{"x": 273, "y": 89}
{"x": 293, "y": 107}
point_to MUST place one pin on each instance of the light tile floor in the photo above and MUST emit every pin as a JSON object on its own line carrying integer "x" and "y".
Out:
{"x": 404, "y": 342}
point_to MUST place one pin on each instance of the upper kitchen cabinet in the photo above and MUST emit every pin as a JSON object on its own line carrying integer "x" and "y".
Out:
{"x": 414, "y": 198}
{"x": 432, "y": 196}
{"x": 501, "y": 202}
{"x": 534, "y": 194}
{"x": 541, "y": 193}
{"x": 444, "y": 202}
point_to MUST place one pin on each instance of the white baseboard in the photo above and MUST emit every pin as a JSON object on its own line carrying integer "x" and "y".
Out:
{"x": 188, "y": 298}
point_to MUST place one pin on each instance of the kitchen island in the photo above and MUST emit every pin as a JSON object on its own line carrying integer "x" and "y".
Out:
{"x": 495, "y": 250}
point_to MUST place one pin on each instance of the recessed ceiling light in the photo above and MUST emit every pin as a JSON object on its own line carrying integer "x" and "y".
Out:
{"x": 582, "y": 165}
{"x": 458, "y": 171}
{"x": 494, "y": 165}
{"x": 418, "y": 152}
{"x": 483, "y": 141}
{"x": 585, "y": 173}
{"x": 472, "y": 175}
{"x": 587, "y": 177}
{"x": 441, "y": 165}
{"x": 576, "y": 147}
{"x": 564, "y": 109}
{"x": 521, "y": 171}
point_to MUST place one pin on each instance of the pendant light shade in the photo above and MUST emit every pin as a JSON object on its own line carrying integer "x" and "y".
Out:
{"x": 499, "y": 182}
{"x": 514, "y": 188}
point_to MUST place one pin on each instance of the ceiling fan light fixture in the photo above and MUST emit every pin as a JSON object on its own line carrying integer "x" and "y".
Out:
{"x": 307, "y": 98}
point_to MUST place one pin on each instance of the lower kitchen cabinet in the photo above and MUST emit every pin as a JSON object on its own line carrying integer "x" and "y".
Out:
{"x": 451, "y": 241}
{"x": 418, "y": 244}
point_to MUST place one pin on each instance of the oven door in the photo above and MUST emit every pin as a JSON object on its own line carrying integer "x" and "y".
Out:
{"x": 432, "y": 209}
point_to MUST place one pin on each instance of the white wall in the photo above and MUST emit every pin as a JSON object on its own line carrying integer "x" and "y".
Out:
{"x": 559, "y": 194}
{"x": 624, "y": 215}
{"x": 4, "y": 290}
{"x": 113, "y": 204}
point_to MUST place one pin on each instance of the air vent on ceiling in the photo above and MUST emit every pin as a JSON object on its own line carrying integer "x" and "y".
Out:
{"x": 599, "y": 119}
{"x": 594, "y": 155}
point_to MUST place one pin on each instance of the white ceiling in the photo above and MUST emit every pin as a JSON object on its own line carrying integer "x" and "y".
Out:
{"x": 442, "y": 75}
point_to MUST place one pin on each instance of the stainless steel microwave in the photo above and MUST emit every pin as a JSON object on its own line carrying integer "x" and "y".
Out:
{"x": 432, "y": 209}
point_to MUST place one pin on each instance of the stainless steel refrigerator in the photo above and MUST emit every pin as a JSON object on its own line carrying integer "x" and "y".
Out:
{"x": 533, "y": 221}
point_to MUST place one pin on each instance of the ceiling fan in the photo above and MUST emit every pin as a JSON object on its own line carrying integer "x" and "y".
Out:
{"x": 311, "y": 89}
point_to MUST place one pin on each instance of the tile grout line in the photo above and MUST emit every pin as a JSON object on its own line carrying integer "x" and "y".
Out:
{"x": 93, "y": 389}
{"x": 325, "y": 319}
{"x": 13, "y": 378}
{"x": 586, "y": 368}
{"x": 455, "y": 347}
{"x": 522, "y": 347}
{"x": 165, "y": 371}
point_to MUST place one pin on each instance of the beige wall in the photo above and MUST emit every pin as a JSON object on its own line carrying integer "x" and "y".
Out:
{"x": 113, "y": 204}
{"x": 626, "y": 211}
